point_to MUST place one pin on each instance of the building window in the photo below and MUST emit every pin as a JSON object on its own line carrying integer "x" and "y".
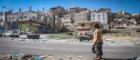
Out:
{"x": 103, "y": 18}
{"x": 92, "y": 15}
{"x": 83, "y": 25}
{"x": 13, "y": 17}
{"x": 99, "y": 17}
{"x": 25, "y": 17}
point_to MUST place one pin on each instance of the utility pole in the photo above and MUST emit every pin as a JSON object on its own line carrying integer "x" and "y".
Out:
{"x": 131, "y": 29}
{"x": 43, "y": 9}
{"x": 30, "y": 28}
{"x": 54, "y": 18}
{"x": 5, "y": 23}
{"x": 20, "y": 17}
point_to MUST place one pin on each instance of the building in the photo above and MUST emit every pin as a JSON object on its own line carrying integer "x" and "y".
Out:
{"x": 12, "y": 20}
{"x": 101, "y": 17}
{"x": 136, "y": 17}
{"x": 54, "y": 18}
{"x": 82, "y": 16}
{"x": 67, "y": 23}
{"x": 123, "y": 22}
{"x": 38, "y": 20}
{"x": 108, "y": 10}
{"x": 12, "y": 17}
{"x": 76, "y": 10}
{"x": 27, "y": 15}
{"x": 59, "y": 10}
{"x": 2, "y": 19}
{"x": 29, "y": 26}
{"x": 30, "y": 15}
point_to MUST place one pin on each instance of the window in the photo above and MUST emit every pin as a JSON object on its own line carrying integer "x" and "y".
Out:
{"x": 103, "y": 18}
{"x": 24, "y": 16}
{"x": 82, "y": 24}
{"x": 99, "y": 17}
{"x": 92, "y": 15}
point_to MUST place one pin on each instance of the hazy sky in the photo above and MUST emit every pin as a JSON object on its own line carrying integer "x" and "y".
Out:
{"x": 131, "y": 6}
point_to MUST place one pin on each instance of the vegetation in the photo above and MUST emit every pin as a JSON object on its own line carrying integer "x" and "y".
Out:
{"x": 136, "y": 34}
{"x": 60, "y": 36}
{"x": 25, "y": 27}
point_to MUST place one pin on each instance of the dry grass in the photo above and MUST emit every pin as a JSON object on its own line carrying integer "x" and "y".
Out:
{"x": 60, "y": 36}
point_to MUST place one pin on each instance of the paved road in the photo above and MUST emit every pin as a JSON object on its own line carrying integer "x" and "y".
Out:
{"x": 64, "y": 49}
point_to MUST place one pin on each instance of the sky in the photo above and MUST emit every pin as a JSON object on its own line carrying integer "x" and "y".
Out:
{"x": 131, "y": 6}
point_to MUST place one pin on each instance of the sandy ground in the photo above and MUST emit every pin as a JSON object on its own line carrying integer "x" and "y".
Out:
{"x": 131, "y": 39}
{"x": 108, "y": 40}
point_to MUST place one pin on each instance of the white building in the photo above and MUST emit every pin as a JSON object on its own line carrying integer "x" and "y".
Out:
{"x": 12, "y": 17}
{"x": 101, "y": 17}
{"x": 2, "y": 19}
{"x": 82, "y": 16}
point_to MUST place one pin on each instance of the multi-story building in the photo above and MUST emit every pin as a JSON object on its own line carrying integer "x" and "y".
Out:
{"x": 67, "y": 22}
{"x": 101, "y": 17}
{"x": 136, "y": 17}
{"x": 60, "y": 11}
{"x": 82, "y": 16}
{"x": 2, "y": 19}
{"x": 54, "y": 20}
{"x": 108, "y": 10}
{"x": 36, "y": 19}
{"x": 31, "y": 15}
{"x": 28, "y": 16}
{"x": 76, "y": 10}
{"x": 12, "y": 17}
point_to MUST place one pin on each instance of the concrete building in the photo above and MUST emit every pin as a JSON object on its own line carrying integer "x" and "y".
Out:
{"x": 136, "y": 17}
{"x": 54, "y": 18}
{"x": 67, "y": 22}
{"x": 76, "y": 10}
{"x": 108, "y": 10}
{"x": 2, "y": 19}
{"x": 12, "y": 20}
{"x": 12, "y": 17}
{"x": 82, "y": 16}
{"x": 101, "y": 17}
{"x": 123, "y": 22}
{"x": 66, "y": 19}
{"x": 28, "y": 16}
{"x": 59, "y": 10}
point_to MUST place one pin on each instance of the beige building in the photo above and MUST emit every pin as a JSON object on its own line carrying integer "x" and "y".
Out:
{"x": 82, "y": 16}
{"x": 76, "y": 10}
{"x": 67, "y": 22}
